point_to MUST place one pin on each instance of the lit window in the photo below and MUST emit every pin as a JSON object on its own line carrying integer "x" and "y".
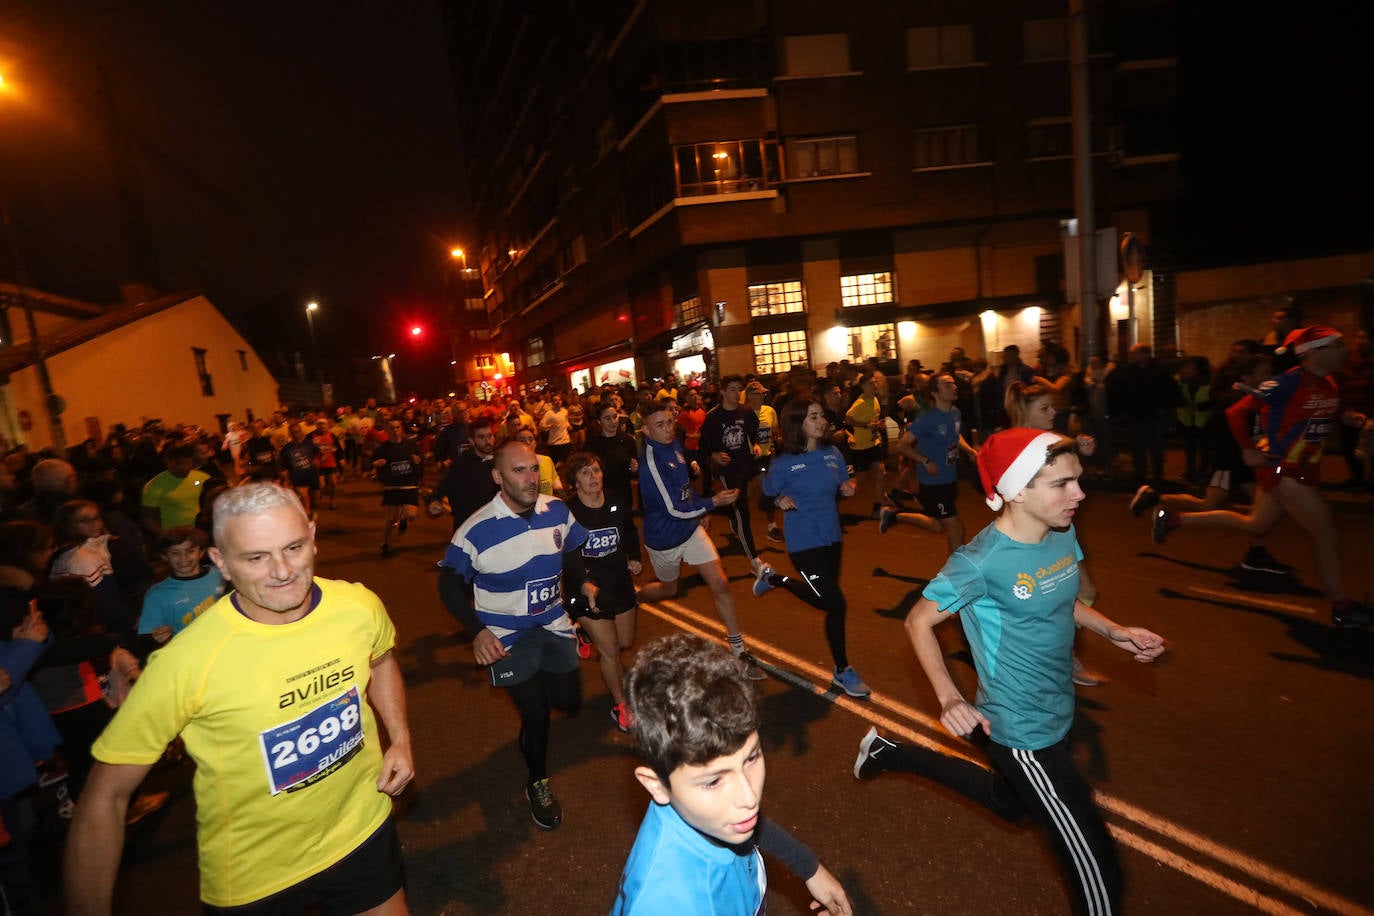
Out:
{"x": 1046, "y": 39}
{"x": 689, "y": 311}
{"x": 824, "y": 156}
{"x": 775, "y": 353}
{"x": 776, "y": 298}
{"x": 484, "y": 361}
{"x": 941, "y": 147}
{"x": 866, "y": 289}
{"x": 878, "y": 340}
{"x": 939, "y": 46}
{"x": 816, "y": 55}
{"x": 726, "y": 167}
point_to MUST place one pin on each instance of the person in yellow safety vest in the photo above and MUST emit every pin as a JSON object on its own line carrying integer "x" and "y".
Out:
{"x": 1194, "y": 380}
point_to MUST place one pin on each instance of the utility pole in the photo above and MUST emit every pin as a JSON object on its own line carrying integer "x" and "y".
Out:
{"x": 53, "y": 405}
{"x": 1083, "y": 175}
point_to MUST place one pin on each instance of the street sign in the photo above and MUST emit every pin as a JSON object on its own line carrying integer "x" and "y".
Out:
{"x": 1132, "y": 258}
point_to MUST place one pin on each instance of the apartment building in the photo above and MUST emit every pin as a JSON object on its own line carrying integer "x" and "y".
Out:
{"x": 659, "y": 186}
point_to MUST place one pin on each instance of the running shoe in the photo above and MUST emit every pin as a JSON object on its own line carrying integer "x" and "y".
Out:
{"x": 1165, "y": 521}
{"x": 898, "y": 497}
{"x": 774, "y": 533}
{"x": 751, "y": 667}
{"x": 762, "y": 582}
{"x": 1258, "y": 559}
{"x": 622, "y": 717}
{"x": 886, "y": 520}
{"x": 544, "y": 807}
{"x": 1351, "y": 614}
{"x": 1083, "y": 676}
{"x": 66, "y": 806}
{"x": 1145, "y": 498}
{"x": 50, "y": 773}
{"x": 869, "y": 762}
{"x": 848, "y": 680}
{"x": 584, "y": 643}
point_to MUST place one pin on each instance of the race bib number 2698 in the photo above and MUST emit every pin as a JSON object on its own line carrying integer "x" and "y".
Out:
{"x": 299, "y": 752}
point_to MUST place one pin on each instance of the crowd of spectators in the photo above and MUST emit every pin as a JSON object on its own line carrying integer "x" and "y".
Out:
{"x": 103, "y": 548}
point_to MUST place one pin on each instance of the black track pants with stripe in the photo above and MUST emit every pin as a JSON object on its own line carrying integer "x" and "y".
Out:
{"x": 1045, "y": 785}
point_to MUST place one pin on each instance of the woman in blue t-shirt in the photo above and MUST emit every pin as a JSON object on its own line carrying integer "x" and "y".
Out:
{"x": 805, "y": 478}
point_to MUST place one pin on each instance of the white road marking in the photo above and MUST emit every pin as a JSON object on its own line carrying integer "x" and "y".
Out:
{"x": 1242, "y": 598}
{"x": 899, "y": 714}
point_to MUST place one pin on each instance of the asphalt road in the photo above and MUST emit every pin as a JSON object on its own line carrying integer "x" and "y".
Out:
{"x": 1233, "y": 772}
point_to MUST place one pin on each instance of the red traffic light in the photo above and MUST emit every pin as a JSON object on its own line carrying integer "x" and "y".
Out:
{"x": 416, "y": 331}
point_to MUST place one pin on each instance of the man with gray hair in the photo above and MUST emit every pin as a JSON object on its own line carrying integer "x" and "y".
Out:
{"x": 54, "y": 483}
{"x": 275, "y": 691}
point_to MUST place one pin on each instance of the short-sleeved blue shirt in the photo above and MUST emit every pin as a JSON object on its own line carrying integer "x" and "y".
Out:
{"x": 813, "y": 480}
{"x": 937, "y": 437}
{"x": 1016, "y": 604}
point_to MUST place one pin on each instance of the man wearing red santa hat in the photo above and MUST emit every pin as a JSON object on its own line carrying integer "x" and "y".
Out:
{"x": 1014, "y": 587}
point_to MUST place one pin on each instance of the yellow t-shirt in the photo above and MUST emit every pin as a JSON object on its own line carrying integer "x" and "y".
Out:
{"x": 768, "y": 428}
{"x": 861, "y": 413}
{"x": 547, "y": 474}
{"x": 285, "y": 743}
{"x": 177, "y": 499}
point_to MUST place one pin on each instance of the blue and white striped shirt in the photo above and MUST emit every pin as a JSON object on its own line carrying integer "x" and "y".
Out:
{"x": 515, "y": 563}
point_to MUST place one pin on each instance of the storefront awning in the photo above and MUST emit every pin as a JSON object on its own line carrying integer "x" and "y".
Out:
{"x": 593, "y": 357}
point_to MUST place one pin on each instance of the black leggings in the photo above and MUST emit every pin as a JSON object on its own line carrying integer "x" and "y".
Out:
{"x": 818, "y": 584}
{"x": 1045, "y": 785}
{"x": 533, "y": 699}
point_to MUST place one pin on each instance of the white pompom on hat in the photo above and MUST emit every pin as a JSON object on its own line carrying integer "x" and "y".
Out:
{"x": 1309, "y": 338}
{"x": 1010, "y": 459}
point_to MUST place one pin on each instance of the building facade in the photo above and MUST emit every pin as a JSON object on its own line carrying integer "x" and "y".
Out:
{"x": 658, "y": 190}
{"x": 175, "y": 358}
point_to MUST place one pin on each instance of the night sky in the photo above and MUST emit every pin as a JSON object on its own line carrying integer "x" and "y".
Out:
{"x": 296, "y": 151}
{"x": 285, "y": 151}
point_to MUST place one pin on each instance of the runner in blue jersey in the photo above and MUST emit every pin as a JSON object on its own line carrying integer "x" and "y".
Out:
{"x": 675, "y": 518}
{"x": 1014, "y": 587}
{"x": 516, "y": 551}
{"x": 805, "y": 480}
{"x": 934, "y": 441}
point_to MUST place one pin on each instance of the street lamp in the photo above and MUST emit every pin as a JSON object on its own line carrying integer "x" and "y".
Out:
{"x": 310, "y": 309}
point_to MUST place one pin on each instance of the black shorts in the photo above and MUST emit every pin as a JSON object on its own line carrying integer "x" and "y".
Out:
{"x": 611, "y": 602}
{"x": 938, "y": 499}
{"x": 365, "y": 878}
{"x": 328, "y": 472}
{"x": 538, "y": 650}
{"x": 863, "y": 458}
{"x": 402, "y": 496}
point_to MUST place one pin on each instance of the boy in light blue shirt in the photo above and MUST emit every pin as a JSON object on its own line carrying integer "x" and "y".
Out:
{"x": 698, "y": 851}
{"x": 171, "y": 605}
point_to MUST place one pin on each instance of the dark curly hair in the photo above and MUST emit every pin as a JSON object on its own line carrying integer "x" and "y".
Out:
{"x": 691, "y": 702}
